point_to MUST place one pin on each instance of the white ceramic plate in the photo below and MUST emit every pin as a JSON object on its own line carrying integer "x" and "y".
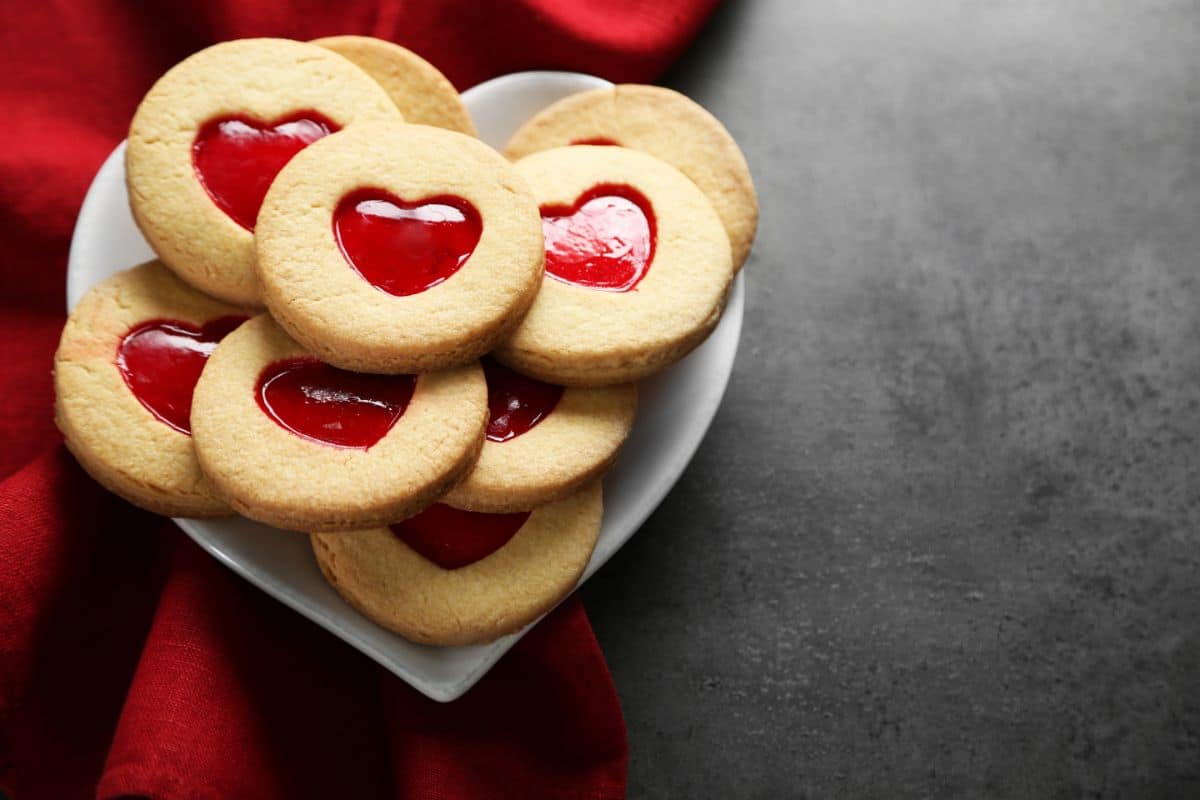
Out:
{"x": 675, "y": 410}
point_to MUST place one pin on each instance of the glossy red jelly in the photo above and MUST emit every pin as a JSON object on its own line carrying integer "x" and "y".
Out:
{"x": 452, "y": 538}
{"x": 402, "y": 247}
{"x": 597, "y": 140}
{"x": 515, "y": 403}
{"x": 161, "y": 361}
{"x": 236, "y": 158}
{"x": 330, "y": 405}
{"x": 604, "y": 241}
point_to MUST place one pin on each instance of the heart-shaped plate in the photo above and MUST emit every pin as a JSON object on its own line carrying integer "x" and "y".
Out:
{"x": 675, "y": 409}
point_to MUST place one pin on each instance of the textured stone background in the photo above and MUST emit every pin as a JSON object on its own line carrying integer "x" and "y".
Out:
{"x": 942, "y": 538}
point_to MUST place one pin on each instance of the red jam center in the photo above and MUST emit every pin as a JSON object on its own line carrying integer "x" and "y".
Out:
{"x": 597, "y": 140}
{"x": 515, "y": 403}
{"x": 605, "y": 241}
{"x": 236, "y": 158}
{"x": 161, "y": 361}
{"x": 331, "y": 405}
{"x": 452, "y": 538}
{"x": 404, "y": 248}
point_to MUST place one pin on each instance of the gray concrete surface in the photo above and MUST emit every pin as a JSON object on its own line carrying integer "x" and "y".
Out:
{"x": 942, "y": 539}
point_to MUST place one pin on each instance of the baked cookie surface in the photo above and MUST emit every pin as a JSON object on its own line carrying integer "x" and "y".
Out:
{"x": 452, "y": 577}
{"x": 543, "y": 441}
{"x": 214, "y": 130}
{"x": 129, "y": 356}
{"x": 296, "y": 443}
{"x": 419, "y": 90}
{"x": 637, "y": 268}
{"x": 399, "y": 248}
{"x": 668, "y": 126}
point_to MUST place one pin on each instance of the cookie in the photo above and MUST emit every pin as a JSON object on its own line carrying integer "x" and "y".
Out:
{"x": 418, "y": 89}
{"x": 543, "y": 441}
{"x": 398, "y": 248}
{"x": 211, "y": 134}
{"x": 293, "y": 442}
{"x": 452, "y": 577}
{"x": 129, "y": 356}
{"x": 637, "y": 268}
{"x": 665, "y": 124}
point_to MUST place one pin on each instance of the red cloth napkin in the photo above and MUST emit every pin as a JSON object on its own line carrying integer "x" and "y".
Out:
{"x": 131, "y": 664}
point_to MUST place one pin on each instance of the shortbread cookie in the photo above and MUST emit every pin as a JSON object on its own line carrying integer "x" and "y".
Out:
{"x": 637, "y": 268}
{"x": 543, "y": 441}
{"x": 451, "y": 577}
{"x": 296, "y": 443}
{"x": 399, "y": 248}
{"x": 129, "y": 356}
{"x": 665, "y": 124}
{"x": 421, "y": 93}
{"x": 211, "y": 134}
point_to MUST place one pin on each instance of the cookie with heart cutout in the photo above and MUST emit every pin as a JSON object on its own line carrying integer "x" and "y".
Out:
{"x": 543, "y": 441}
{"x": 296, "y": 443}
{"x": 453, "y": 577}
{"x": 397, "y": 248}
{"x": 637, "y": 268}
{"x": 211, "y": 134}
{"x": 665, "y": 124}
{"x": 419, "y": 90}
{"x": 127, "y": 362}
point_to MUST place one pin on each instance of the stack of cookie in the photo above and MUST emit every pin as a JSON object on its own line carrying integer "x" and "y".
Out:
{"x": 368, "y": 325}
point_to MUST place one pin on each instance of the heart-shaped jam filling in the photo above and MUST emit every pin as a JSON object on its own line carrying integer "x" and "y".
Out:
{"x": 452, "y": 538}
{"x": 330, "y": 405}
{"x": 402, "y": 247}
{"x": 515, "y": 403}
{"x": 605, "y": 241}
{"x": 597, "y": 140}
{"x": 161, "y": 361}
{"x": 236, "y": 158}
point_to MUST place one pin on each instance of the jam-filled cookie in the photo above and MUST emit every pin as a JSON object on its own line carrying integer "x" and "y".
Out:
{"x": 665, "y": 124}
{"x": 399, "y": 248}
{"x": 211, "y": 134}
{"x": 129, "y": 357}
{"x": 637, "y": 268}
{"x": 418, "y": 89}
{"x": 293, "y": 442}
{"x": 543, "y": 441}
{"x": 452, "y": 577}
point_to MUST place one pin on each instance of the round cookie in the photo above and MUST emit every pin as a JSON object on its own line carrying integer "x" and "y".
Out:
{"x": 296, "y": 443}
{"x": 637, "y": 268}
{"x": 543, "y": 441}
{"x": 665, "y": 124}
{"x": 419, "y": 90}
{"x": 128, "y": 358}
{"x": 451, "y": 577}
{"x": 210, "y": 135}
{"x": 399, "y": 248}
